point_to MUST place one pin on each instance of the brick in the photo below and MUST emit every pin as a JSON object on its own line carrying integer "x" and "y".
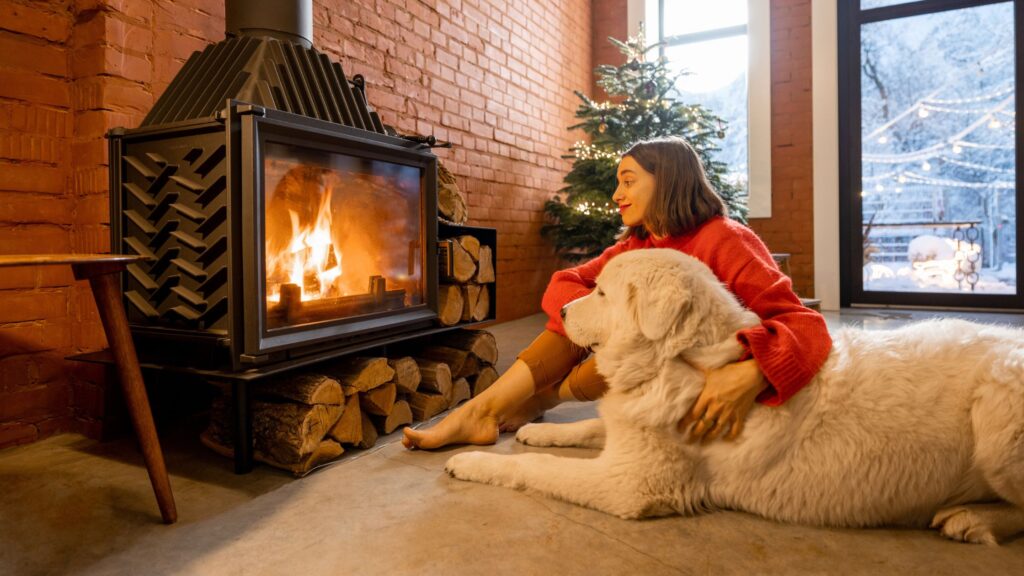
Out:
{"x": 17, "y": 208}
{"x": 35, "y": 88}
{"x": 19, "y": 306}
{"x": 36, "y": 403}
{"x": 34, "y": 239}
{"x": 15, "y": 433}
{"x": 34, "y": 20}
{"x": 33, "y": 55}
{"x": 31, "y": 337}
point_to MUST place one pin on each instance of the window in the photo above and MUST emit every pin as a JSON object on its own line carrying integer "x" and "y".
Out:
{"x": 929, "y": 152}
{"x": 723, "y": 48}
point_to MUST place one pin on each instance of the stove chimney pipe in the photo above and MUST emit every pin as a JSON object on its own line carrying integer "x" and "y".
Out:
{"x": 288, "y": 20}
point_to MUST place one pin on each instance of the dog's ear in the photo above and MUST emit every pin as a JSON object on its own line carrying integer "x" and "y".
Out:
{"x": 658, "y": 305}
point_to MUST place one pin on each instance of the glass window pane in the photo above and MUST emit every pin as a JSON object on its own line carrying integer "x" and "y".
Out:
{"x": 343, "y": 236}
{"x": 938, "y": 154}
{"x": 689, "y": 16}
{"x": 868, "y": 4}
{"x": 717, "y": 80}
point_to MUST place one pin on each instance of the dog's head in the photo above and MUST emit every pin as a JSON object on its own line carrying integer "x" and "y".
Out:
{"x": 650, "y": 305}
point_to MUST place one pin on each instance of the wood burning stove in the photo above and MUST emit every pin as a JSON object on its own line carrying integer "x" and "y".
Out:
{"x": 279, "y": 217}
{"x": 271, "y": 236}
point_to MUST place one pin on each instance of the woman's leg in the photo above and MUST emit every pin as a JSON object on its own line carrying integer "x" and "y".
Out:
{"x": 542, "y": 365}
{"x": 582, "y": 384}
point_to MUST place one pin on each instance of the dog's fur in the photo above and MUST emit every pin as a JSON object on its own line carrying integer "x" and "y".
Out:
{"x": 923, "y": 423}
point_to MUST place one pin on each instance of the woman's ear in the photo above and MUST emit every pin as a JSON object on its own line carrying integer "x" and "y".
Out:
{"x": 657, "y": 304}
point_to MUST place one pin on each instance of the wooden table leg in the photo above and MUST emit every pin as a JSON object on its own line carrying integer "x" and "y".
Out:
{"x": 107, "y": 293}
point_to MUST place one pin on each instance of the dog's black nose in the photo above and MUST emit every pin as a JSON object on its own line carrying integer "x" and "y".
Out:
{"x": 562, "y": 312}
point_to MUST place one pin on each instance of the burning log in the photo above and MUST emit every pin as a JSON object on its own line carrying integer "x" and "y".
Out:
{"x": 426, "y": 405}
{"x": 349, "y": 429}
{"x": 361, "y": 374}
{"x": 435, "y": 376}
{"x": 484, "y": 379}
{"x": 449, "y": 303}
{"x": 407, "y": 374}
{"x": 479, "y": 343}
{"x": 287, "y": 433}
{"x": 306, "y": 388}
{"x": 399, "y": 416}
{"x": 380, "y": 400}
{"x": 485, "y": 266}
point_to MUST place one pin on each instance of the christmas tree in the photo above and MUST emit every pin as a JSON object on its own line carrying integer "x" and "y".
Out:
{"x": 642, "y": 106}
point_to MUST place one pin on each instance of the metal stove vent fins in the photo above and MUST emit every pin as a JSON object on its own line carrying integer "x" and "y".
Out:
{"x": 268, "y": 72}
{"x": 176, "y": 217}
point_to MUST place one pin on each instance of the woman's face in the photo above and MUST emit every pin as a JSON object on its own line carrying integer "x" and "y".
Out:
{"x": 634, "y": 193}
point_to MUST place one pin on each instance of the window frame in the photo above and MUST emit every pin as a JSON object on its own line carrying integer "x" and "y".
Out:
{"x": 850, "y": 18}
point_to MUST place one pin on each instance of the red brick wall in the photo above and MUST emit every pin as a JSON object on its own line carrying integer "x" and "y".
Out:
{"x": 791, "y": 227}
{"x": 36, "y": 210}
{"x": 609, "y": 19}
{"x": 495, "y": 78}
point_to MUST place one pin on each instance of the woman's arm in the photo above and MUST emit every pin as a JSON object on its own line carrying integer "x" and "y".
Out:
{"x": 572, "y": 283}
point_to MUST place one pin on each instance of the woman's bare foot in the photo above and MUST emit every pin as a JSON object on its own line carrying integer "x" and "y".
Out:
{"x": 466, "y": 425}
{"x": 532, "y": 409}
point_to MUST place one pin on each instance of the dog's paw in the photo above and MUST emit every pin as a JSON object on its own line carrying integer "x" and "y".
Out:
{"x": 539, "y": 435}
{"x": 479, "y": 467}
{"x": 971, "y": 524}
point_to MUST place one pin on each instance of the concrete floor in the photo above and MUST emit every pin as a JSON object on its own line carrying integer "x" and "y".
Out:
{"x": 69, "y": 505}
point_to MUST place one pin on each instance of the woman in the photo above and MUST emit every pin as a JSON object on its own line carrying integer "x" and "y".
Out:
{"x": 666, "y": 202}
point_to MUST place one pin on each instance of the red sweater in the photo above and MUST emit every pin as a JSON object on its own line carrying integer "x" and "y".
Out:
{"x": 792, "y": 341}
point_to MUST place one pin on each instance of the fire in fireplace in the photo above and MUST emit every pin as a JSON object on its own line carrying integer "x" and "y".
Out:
{"x": 280, "y": 218}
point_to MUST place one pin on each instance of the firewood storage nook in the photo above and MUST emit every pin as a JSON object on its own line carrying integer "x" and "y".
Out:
{"x": 283, "y": 224}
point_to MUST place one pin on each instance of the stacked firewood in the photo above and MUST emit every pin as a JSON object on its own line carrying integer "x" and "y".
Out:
{"x": 304, "y": 420}
{"x": 465, "y": 291}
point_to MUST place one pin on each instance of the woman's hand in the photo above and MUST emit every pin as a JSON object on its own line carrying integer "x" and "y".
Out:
{"x": 728, "y": 395}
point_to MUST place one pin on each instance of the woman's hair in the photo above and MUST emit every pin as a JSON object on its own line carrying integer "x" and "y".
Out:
{"x": 683, "y": 198}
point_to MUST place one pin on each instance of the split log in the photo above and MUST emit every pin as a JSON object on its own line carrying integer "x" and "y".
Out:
{"x": 485, "y": 267}
{"x": 470, "y": 295}
{"x": 407, "y": 374}
{"x": 307, "y": 388}
{"x": 361, "y": 374}
{"x": 349, "y": 428}
{"x": 484, "y": 379}
{"x": 463, "y": 266}
{"x": 400, "y": 415}
{"x": 434, "y": 376}
{"x": 287, "y": 432}
{"x": 450, "y": 201}
{"x": 471, "y": 367}
{"x": 380, "y": 400}
{"x": 326, "y": 451}
{"x": 449, "y": 304}
{"x": 453, "y": 357}
{"x": 471, "y": 245}
{"x": 460, "y": 392}
{"x": 483, "y": 304}
{"x": 369, "y": 432}
{"x": 427, "y": 405}
{"x": 480, "y": 343}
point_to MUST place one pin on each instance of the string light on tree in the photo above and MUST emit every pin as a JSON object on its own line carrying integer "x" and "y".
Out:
{"x": 642, "y": 103}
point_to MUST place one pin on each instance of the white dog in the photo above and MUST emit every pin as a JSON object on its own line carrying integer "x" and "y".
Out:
{"x": 923, "y": 423}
